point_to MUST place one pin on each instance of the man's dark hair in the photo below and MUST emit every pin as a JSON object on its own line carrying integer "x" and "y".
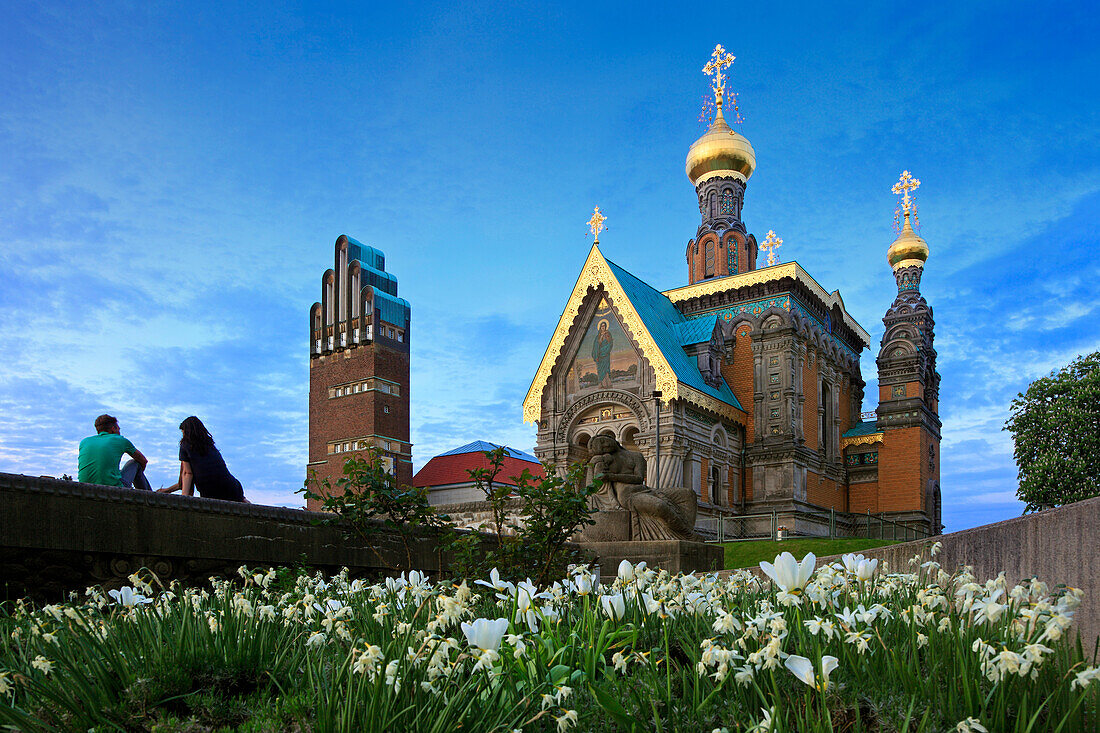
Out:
{"x": 196, "y": 438}
{"x": 103, "y": 422}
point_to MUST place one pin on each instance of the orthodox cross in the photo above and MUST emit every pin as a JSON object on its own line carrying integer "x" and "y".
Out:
{"x": 595, "y": 224}
{"x": 771, "y": 242}
{"x": 906, "y": 183}
{"x": 719, "y": 60}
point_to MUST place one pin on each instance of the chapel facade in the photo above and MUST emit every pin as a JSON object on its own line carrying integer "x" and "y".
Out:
{"x": 748, "y": 376}
{"x": 358, "y": 366}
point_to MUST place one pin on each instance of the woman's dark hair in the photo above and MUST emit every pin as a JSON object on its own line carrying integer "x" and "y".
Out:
{"x": 196, "y": 438}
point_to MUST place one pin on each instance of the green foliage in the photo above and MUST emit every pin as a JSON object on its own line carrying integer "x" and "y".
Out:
{"x": 368, "y": 497}
{"x": 1056, "y": 428}
{"x": 552, "y": 509}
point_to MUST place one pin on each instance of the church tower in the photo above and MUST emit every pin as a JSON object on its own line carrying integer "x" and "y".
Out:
{"x": 719, "y": 165}
{"x": 908, "y": 411}
{"x": 358, "y": 366}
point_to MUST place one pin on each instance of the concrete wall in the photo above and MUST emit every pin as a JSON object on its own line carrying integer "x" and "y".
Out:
{"x": 1057, "y": 546}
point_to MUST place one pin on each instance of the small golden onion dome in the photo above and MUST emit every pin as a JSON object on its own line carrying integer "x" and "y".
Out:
{"x": 720, "y": 152}
{"x": 908, "y": 249}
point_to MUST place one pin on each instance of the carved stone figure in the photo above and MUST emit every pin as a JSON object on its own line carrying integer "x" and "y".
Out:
{"x": 655, "y": 514}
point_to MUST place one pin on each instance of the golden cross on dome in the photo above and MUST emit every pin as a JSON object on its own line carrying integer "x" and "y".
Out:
{"x": 719, "y": 60}
{"x": 595, "y": 224}
{"x": 905, "y": 184}
{"x": 771, "y": 242}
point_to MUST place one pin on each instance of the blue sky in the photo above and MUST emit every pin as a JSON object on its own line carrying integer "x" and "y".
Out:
{"x": 173, "y": 177}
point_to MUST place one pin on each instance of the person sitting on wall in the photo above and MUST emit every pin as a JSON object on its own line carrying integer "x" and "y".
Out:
{"x": 100, "y": 454}
{"x": 202, "y": 466}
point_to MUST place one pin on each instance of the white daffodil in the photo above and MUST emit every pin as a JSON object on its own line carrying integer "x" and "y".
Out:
{"x": 42, "y": 664}
{"x": 1086, "y": 678}
{"x": 496, "y": 583}
{"x": 614, "y": 606}
{"x": 484, "y": 633}
{"x": 803, "y": 669}
{"x": 971, "y": 725}
{"x": 316, "y": 639}
{"x": 860, "y": 566}
{"x": 789, "y": 574}
{"x": 127, "y": 596}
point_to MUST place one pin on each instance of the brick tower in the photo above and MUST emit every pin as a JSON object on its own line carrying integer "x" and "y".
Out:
{"x": 358, "y": 366}
{"x": 908, "y": 411}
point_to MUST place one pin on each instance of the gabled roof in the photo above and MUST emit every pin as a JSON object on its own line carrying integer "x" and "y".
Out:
{"x": 653, "y": 321}
{"x": 453, "y": 467}
{"x": 480, "y": 446}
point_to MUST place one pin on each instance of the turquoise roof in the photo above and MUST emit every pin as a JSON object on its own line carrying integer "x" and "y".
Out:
{"x": 378, "y": 279}
{"x": 696, "y": 330}
{"x": 863, "y": 428}
{"x": 392, "y": 310}
{"x": 366, "y": 254}
{"x": 480, "y": 446}
{"x": 664, "y": 322}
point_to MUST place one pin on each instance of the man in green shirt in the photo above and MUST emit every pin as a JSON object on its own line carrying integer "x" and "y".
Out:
{"x": 100, "y": 454}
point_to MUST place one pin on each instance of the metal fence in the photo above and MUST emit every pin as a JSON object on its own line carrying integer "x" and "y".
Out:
{"x": 808, "y": 523}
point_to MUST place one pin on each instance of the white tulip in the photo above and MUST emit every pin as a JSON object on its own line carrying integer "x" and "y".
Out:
{"x": 484, "y": 633}
{"x": 788, "y": 573}
{"x": 614, "y": 606}
{"x": 803, "y": 669}
{"x": 626, "y": 571}
{"x": 860, "y": 566}
{"x": 583, "y": 584}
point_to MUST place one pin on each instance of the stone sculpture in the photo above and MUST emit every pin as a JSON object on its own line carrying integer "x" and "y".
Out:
{"x": 655, "y": 514}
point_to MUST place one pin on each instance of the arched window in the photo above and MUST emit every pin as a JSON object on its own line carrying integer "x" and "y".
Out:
{"x": 825, "y": 411}
{"x": 716, "y": 485}
{"x": 708, "y": 262}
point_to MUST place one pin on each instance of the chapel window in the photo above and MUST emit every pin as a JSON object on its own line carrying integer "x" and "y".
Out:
{"x": 727, "y": 203}
{"x": 709, "y": 259}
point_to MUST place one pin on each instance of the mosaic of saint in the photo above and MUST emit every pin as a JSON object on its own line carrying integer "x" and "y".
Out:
{"x": 606, "y": 357}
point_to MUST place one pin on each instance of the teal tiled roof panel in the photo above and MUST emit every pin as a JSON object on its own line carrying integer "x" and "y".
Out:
{"x": 696, "y": 330}
{"x": 392, "y": 310}
{"x": 863, "y": 428}
{"x": 366, "y": 254}
{"x": 663, "y": 320}
{"x": 480, "y": 446}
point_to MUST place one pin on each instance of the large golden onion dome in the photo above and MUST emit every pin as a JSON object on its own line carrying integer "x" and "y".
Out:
{"x": 908, "y": 249}
{"x": 720, "y": 152}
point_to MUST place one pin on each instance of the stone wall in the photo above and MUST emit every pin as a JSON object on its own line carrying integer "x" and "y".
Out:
{"x": 1057, "y": 546}
{"x": 57, "y": 536}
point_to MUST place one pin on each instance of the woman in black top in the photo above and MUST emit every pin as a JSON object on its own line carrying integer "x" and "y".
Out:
{"x": 202, "y": 466}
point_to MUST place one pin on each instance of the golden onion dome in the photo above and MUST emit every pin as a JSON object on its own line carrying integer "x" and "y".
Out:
{"x": 908, "y": 249}
{"x": 720, "y": 152}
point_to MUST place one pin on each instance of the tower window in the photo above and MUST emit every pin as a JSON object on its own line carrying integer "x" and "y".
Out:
{"x": 709, "y": 259}
{"x": 727, "y": 203}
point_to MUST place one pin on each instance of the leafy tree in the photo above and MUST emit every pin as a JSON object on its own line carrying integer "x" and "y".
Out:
{"x": 367, "y": 497}
{"x": 552, "y": 509}
{"x": 1056, "y": 428}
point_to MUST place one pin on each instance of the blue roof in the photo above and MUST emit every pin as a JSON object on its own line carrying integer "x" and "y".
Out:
{"x": 392, "y": 310}
{"x": 696, "y": 330}
{"x": 663, "y": 321}
{"x": 480, "y": 446}
{"x": 367, "y": 255}
{"x": 863, "y": 428}
{"x": 378, "y": 279}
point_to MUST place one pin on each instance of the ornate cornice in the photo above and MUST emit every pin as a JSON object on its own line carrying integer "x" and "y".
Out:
{"x": 869, "y": 439}
{"x": 594, "y": 274}
{"x": 764, "y": 275}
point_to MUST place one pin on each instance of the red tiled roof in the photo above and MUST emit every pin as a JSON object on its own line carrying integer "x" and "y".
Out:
{"x": 453, "y": 469}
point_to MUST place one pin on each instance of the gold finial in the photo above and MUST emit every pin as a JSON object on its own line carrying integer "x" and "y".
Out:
{"x": 906, "y": 204}
{"x": 595, "y": 224}
{"x": 719, "y": 60}
{"x": 771, "y": 243}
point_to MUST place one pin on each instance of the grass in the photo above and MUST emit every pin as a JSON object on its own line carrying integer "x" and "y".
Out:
{"x": 750, "y": 553}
